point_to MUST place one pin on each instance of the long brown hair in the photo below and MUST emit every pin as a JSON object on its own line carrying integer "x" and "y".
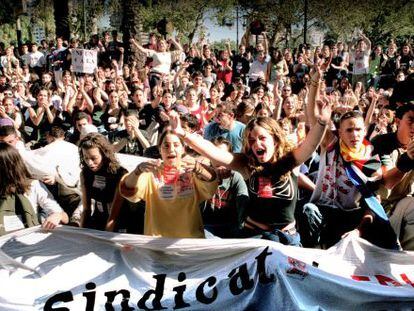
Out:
{"x": 96, "y": 140}
{"x": 14, "y": 175}
{"x": 282, "y": 145}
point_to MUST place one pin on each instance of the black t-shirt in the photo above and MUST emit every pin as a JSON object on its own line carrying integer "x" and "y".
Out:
{"x": 384, "y": 145}
{"x": 241, "y": 66}
{"x": 405, "y": 62}
{"x": 133, "y": 145}
{"x": 226, "y": 207}
{"x": 273, "y": 193}
{"x": 61, "y": 55}
{"x": 146, "y": 115}
{"x": 101, "y": 186}
{"x": 196, "y": 64}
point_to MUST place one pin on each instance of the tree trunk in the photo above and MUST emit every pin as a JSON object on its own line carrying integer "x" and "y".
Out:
{"x": 199, "y": 19}
{"x": 61, "y": 8}
{"x": 130, "y": 27}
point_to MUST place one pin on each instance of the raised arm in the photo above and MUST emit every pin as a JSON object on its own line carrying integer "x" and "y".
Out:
{"x": 208, "y": 149}
{"x": 370, "y": 113}
{"x": 176, "y": 44}
{"x": 316, "y": 134}
{"x": 315, "y": 76}
{"x": 139, "y": 46}
{"x": 367, "y": 41}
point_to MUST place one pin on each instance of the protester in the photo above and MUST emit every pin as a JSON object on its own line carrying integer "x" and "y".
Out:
{"x": 220, "y": 95}
{"x": 269, "y": 162}
{"x": 100, "y": 177}
{"x": 172, "y": 190}
{"x": 21, "y": 196}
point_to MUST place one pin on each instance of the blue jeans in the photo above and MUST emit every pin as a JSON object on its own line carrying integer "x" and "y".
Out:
{"x": 283, "y": 237}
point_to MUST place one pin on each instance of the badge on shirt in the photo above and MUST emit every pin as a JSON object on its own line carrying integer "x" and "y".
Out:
{"x": 265, "y": 188}
{"x": 99, "y": 182}
{"x": 186, "y": 187}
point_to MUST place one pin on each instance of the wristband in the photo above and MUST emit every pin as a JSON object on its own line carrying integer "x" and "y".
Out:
{"x": 139, "y": 171}
{"x": 404, "y": 163}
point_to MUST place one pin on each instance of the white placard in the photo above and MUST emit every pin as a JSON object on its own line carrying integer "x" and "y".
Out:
{"x": 84, "y": 61}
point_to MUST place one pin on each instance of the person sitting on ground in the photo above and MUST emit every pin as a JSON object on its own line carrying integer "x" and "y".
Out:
{"x": 397, "y": 150}
{"x": 223, "y": 214}
{"x": 226, "y": 126}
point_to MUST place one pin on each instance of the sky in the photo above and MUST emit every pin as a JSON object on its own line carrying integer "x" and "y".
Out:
{"x": 218, "y": 33}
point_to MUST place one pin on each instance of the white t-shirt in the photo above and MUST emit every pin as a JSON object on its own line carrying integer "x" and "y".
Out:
{"x": 361, "y": 62}
{"x": 257, "y": 70}
{"x": 161, "y": 62}
{"x": 36, "y": 59}
{"x": 39, "y": 196}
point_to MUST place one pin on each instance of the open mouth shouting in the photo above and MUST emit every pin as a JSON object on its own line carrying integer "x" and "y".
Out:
{"x": 260, "y": 154}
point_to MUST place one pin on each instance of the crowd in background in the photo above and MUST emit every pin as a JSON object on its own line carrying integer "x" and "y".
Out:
{"x": 259, "y": 142}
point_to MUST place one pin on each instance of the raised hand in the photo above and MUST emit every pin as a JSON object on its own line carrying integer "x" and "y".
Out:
{"x": 148, "y": 166}
{"x": 324, "y": 109}
{"x": 188, "y": 164}
{"x": 175, "y": 123}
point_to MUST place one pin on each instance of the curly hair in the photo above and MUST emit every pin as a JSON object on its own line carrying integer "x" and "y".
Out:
{"x": 14, "y": 175}
{"x": 96, "y": 140}
{"x": 282, "y": 145}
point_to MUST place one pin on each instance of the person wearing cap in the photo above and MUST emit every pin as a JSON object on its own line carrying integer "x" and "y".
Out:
{"x": 398, "y": 150}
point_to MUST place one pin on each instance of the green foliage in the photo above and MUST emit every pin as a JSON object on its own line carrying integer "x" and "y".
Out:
{"x": 187, "y": 17}
{"x": 380, "y": 20}
{"x": 221, "y": 45}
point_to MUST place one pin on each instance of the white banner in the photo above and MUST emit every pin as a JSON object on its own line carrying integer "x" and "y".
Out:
{"x": 84, "y": 61}
{"x": 79, "y": 269}
{"x": 38, "y": 33}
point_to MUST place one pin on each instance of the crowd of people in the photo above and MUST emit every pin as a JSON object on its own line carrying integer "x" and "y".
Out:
{"x": 301, "y": 146}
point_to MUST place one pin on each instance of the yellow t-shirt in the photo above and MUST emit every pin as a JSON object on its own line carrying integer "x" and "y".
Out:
{"x": 171, "y": 208}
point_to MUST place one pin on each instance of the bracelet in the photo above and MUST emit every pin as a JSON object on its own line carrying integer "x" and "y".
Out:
{"x": 139, "y": 171}
{"x": 198, "y": 168}
{"x": 322, "y": 123}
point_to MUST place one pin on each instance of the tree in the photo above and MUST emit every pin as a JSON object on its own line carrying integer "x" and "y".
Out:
{"x": 380, "y": 20}
{"x": 61, "y": 9}
{"x": 187, "y": 17}
{"x": 277, "y": 15}
{"x": 130, "y": 26}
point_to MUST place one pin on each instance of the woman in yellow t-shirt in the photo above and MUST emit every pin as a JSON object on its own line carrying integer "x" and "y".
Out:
{"x": 172, "y": 190}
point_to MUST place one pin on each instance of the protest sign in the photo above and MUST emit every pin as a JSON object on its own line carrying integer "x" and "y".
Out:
{"x": 84, "y": 61}
{"x": 81, "y": 269}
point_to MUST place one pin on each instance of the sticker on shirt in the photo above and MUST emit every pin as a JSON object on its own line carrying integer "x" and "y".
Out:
{"x": 166, "y": 192}
{"x": 13, "y": 223}
{"x": 99, "y": 182}
{"x": 99, "y": 206}
{"x": 186, "y": 187}
{"x": 265, "y": 188}
{"x": 219, "y": 199}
